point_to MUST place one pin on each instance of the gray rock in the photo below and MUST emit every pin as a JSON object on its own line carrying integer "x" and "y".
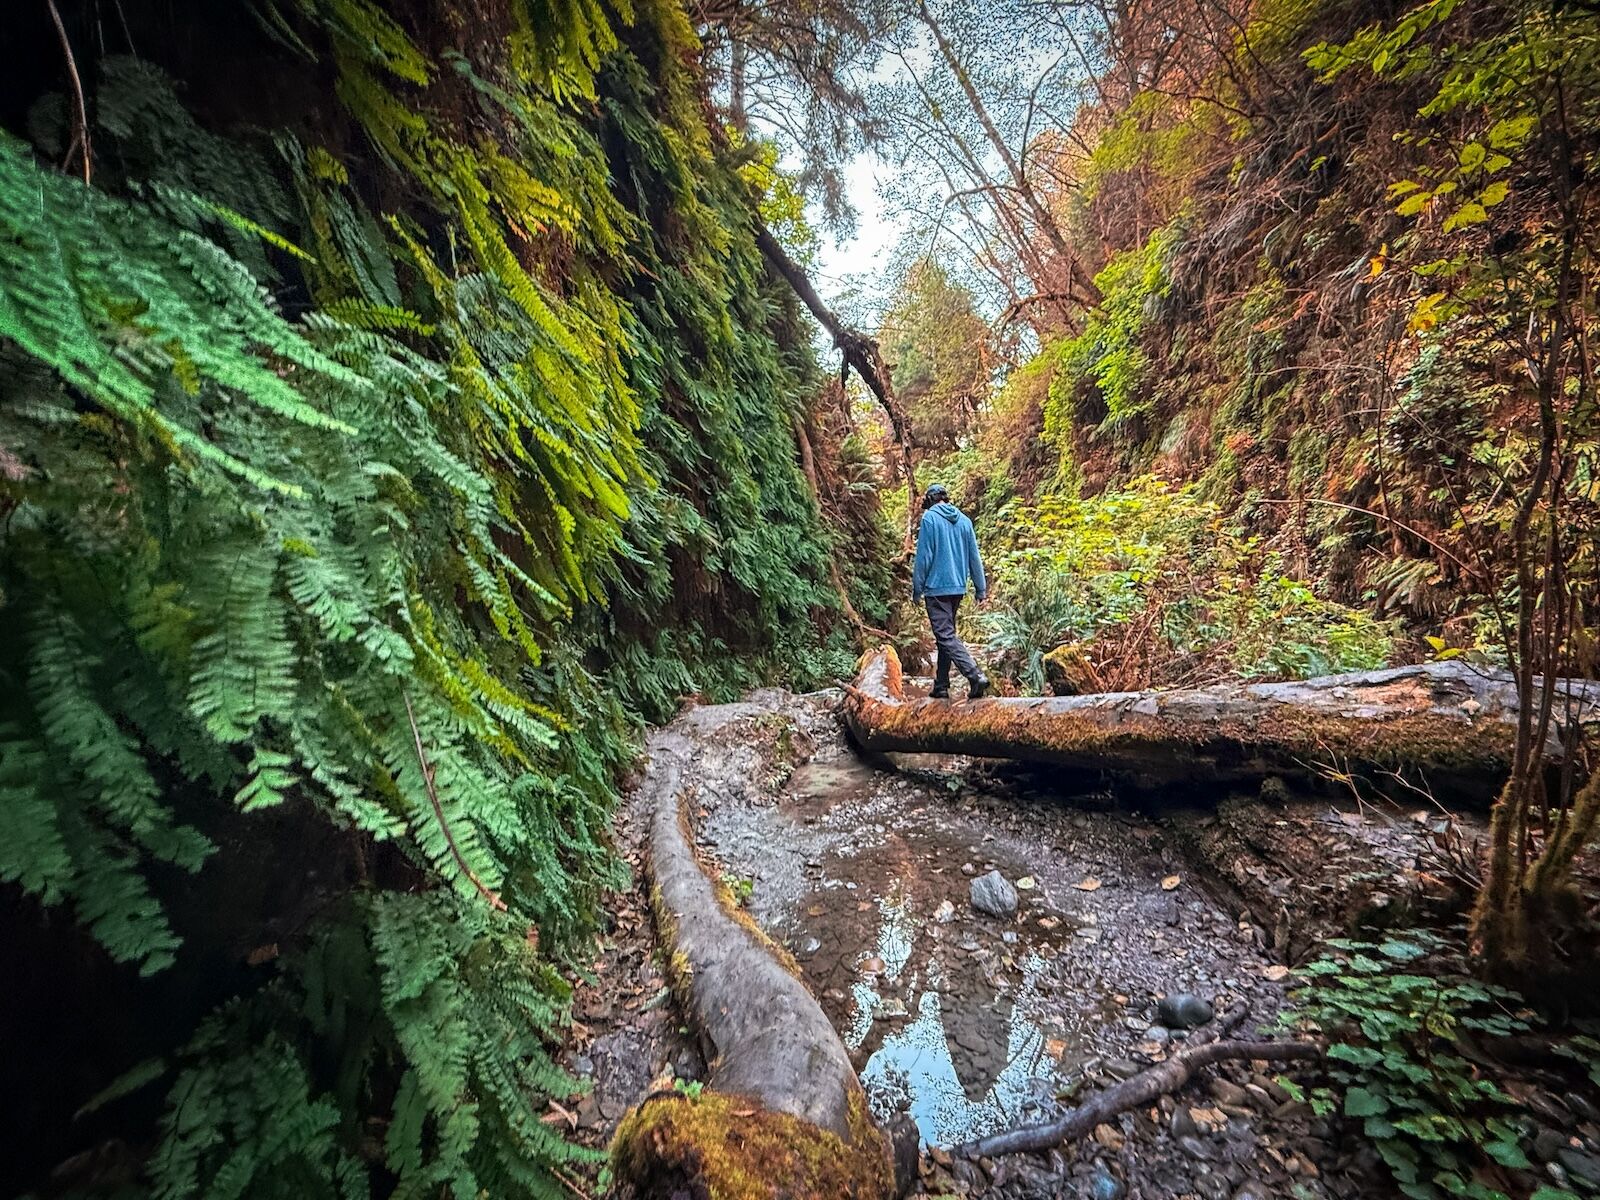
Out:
{"x": 1210, "y": 1185}
{"x": 993, "y": 895}
{"x": 1122, "y": 1068}
{"x": 1196, "y": 1149}
{"x": 1583, "y": 1106}
{"x": 811, "y": 946}
{"x": 1182, "y": 1010}
{"x": 1250, "y": 1189}
{"x": 1547, "y": 1143}
{"x": 1183, "y": 1123}
{"x": 1584, "y": 1166}
{"x": 1159, "y": 1034}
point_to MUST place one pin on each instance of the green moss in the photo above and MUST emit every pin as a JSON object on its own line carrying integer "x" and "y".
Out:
{"x": 728, "y": 1147}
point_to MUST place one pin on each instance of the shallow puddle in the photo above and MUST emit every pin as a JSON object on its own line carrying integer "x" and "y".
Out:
{"x": 971, "y": 1023}
{"x": 939, "y": 1006}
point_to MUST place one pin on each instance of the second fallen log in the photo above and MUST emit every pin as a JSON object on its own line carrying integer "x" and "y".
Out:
{"x": 1450, "y": 723}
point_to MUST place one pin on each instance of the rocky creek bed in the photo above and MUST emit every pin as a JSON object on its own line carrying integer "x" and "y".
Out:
{"x": 971, "y": 1022}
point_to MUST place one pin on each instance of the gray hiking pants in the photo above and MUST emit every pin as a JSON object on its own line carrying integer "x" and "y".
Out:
{"x": 942, "y": 616}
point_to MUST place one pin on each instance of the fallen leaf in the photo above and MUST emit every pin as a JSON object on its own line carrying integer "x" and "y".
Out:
{"x": 871, "y": 966}
{"x": 1275, "y": 972}
{"x": 1170, "y": 882}
{"x": 743, "y": 1112}
{"x": 1055, "y": 1047}
{"x": 1027, "y": 883}
{"x": 1090, "y": 884}
{"x": 1049, "y": 922}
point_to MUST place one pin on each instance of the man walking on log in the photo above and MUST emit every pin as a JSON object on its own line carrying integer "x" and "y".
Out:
{"x": 947, "y": 556}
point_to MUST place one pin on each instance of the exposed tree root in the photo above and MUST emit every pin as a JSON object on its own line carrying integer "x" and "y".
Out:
{"x": 1205, "y": 1048}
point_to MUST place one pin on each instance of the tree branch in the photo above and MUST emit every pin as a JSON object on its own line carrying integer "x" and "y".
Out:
{"x": 1206, "y": 1048}
{"x": 861, "y": 352}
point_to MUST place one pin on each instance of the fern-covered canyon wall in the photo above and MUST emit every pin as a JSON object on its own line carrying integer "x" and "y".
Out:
{"x": 394, "y": 411}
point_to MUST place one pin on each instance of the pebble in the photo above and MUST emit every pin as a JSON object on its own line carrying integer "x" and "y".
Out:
{"x": 1251, "y": 1190}
{"x": 993, "y": 895}
{"x": 1158, "y": 1034}
{"x": 1182, "y": 1010}
{"x": 1228, "y": 1092}
{"x": 1183, "y": 1123}
{"x": 811, "y": 946}
{"x": 1103, "y": 1185}
{"x": 1196, "y": 1149}
{"x": 945, "y": 913}
{"x": 1584, "y": 1166}
{"x": 1548, "y": 1143}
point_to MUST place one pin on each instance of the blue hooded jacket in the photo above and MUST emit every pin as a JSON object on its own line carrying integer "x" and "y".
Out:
{"x": 947, "y": 553}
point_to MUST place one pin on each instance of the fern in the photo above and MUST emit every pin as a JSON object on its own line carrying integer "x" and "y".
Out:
{"x": 375, "y": 532}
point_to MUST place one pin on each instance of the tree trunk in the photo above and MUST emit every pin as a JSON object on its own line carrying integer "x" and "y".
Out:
{"x": 1453, "y": 724}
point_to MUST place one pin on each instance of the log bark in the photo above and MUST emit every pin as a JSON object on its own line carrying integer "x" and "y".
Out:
{"x": 781, "y": 1103}
{"x": 1204, "y": 1049}
{"x": 1453, "y": 724}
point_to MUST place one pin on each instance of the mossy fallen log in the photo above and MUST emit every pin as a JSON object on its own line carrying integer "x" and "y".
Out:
{"x": 1452, "y": 724}
{"x": 781, "y": 1114}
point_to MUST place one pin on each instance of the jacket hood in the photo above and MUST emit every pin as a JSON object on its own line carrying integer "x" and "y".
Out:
{"x": 947, "y": 510}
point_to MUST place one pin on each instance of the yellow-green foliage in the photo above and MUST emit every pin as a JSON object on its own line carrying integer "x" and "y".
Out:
{"x": 1110, "y": 353}
{"x": 1071, "y": 570}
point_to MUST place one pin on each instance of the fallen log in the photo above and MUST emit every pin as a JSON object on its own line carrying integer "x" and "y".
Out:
{"x": 781, "y": 1113}
{"x": 1205, "y": 1048}
{"x": 1452, "y": 723}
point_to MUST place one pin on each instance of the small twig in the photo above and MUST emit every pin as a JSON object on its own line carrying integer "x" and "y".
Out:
{"x": 570, "y": 1185}
{"x": 1206, "y": 1048}
{"x": 493, "y": 898}
{"x": 80, "y": 137}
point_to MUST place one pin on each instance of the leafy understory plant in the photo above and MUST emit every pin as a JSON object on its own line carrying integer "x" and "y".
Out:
{"x": 1396, "y": 1014}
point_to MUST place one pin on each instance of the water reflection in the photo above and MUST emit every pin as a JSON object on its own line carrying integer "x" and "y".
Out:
{"x": 936, "y": 1016}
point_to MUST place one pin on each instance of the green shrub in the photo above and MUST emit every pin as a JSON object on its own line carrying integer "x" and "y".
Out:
{"x": 1395, "y": 1060}
{"x": 1097, "y": 570}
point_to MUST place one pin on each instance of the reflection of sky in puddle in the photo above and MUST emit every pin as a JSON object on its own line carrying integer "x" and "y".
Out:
{"x": 946, "y": 1064}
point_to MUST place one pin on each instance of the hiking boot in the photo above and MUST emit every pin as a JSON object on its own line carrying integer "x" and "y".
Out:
{"x": 939, "y": 694}
{"x": 979, "y": 688}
